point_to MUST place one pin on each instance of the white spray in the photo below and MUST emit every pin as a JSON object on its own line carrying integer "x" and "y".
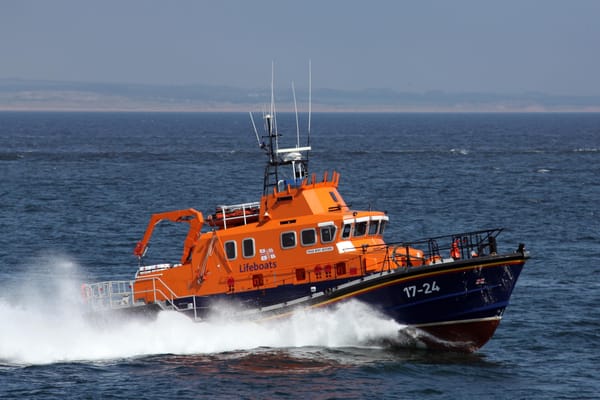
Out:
{"x": 43, "y": 322}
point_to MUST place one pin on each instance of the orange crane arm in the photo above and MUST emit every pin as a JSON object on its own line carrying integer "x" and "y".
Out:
{"x": 191, "y": 216}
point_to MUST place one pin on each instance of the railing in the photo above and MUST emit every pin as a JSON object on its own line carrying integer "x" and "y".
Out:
{"x": 108, "y": 295}
{"x": 440, "y": 249}
{"x": 235, "y": 215}
{"x": 111, "y": 295}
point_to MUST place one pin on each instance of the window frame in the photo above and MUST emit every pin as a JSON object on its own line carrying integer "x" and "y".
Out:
{"x": 346, "y": 235}
{"x": 314, "y": 233}
{"x": 382, "y": 225}
{"x": 244, "y": 241}
{"x": 295, "y": 236}
{"x": 374, "y": 227}
{"x": 358, "y": 224}
{"x": 329, "y": 227}
{"x": 235, "y": 252}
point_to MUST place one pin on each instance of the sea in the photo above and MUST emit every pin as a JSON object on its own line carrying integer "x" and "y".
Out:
{"x": 77, "y": 191}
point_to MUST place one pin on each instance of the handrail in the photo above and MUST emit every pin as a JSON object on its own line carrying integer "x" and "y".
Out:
{"x": 157, "y": 278}
{"x": 108, "y": 294}
{"x": 226, "y": 213}
{"x": 464, "y": 246}
{"x": 121, "y": 294}
{"x": 439, "y": 249}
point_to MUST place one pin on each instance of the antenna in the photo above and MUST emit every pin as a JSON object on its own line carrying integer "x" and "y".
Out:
{"x": 294, "y": 157}
{"x": 273, "y": 117}
{"x": 296, "y": 109}
{"x": 255, "y": 130}
{"x": 309, "y": 98}
{"x": 272, "y": 109}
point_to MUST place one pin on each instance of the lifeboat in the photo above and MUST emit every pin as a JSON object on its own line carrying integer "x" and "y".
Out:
{"x": 235, "y": 215}
{"x": 303, "y": 246}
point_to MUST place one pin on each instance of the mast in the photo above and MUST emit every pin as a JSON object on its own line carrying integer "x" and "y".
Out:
{"x": 271, "y": 171}
{"x": 294, "y": 157}
{"x": 309, "y": 100}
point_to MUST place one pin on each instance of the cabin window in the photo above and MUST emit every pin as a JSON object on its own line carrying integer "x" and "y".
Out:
{"x": 300, "y": 274}
{"x": 327, "y": 233}
{"x": 346, "y": 231}
{"x": 333, "y": 196}
{"x": 288, "y": 240}
{"x": 308, "y": 237}
{"x": 382, "y": 226}
{"x": 248, "y": 247}
{"x": 231, "y": 250}
{"x": 373, "y": 227}
{"x": 360, "y": 228}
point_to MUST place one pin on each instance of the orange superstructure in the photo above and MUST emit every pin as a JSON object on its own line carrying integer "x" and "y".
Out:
{"x": 304, "y": 233}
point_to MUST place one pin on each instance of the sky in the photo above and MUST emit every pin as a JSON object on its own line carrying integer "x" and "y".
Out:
{"x": 509, "y": 46}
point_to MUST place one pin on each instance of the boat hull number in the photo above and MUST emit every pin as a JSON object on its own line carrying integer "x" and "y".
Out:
{"x": 424, "y": 288}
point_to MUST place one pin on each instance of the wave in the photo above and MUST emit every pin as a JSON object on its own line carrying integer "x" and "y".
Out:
{"x": 461, "y": 151}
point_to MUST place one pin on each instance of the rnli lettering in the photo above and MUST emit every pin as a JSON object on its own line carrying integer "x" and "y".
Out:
{"x": 248, "y": 267}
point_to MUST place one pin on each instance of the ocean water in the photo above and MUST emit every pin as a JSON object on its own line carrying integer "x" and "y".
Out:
{"x": 77, "y": 189}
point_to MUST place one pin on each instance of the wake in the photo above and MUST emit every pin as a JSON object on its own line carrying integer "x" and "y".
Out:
{"x": 44, "y": 322}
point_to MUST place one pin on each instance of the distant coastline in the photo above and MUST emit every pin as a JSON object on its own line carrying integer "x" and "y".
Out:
{"x": 28, "y": 95}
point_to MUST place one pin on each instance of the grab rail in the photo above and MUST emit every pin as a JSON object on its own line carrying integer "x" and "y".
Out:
{"x": 235, "y": 214}
{"x": 108, "y": 295}
{"x": 121, "y": 294}
{"x": 447, "y": 248}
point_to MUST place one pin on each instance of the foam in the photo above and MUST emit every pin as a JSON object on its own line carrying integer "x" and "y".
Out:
{"x": 47, "y": 324}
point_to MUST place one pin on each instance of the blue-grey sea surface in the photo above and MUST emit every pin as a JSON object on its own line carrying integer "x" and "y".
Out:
{"x": 77, "y": 189}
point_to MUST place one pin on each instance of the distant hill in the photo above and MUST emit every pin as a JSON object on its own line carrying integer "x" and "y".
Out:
{"x": 17, "y": 94}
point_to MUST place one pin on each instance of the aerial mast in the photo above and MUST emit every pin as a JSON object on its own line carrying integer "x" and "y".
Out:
{"x": 296, "y": 157}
